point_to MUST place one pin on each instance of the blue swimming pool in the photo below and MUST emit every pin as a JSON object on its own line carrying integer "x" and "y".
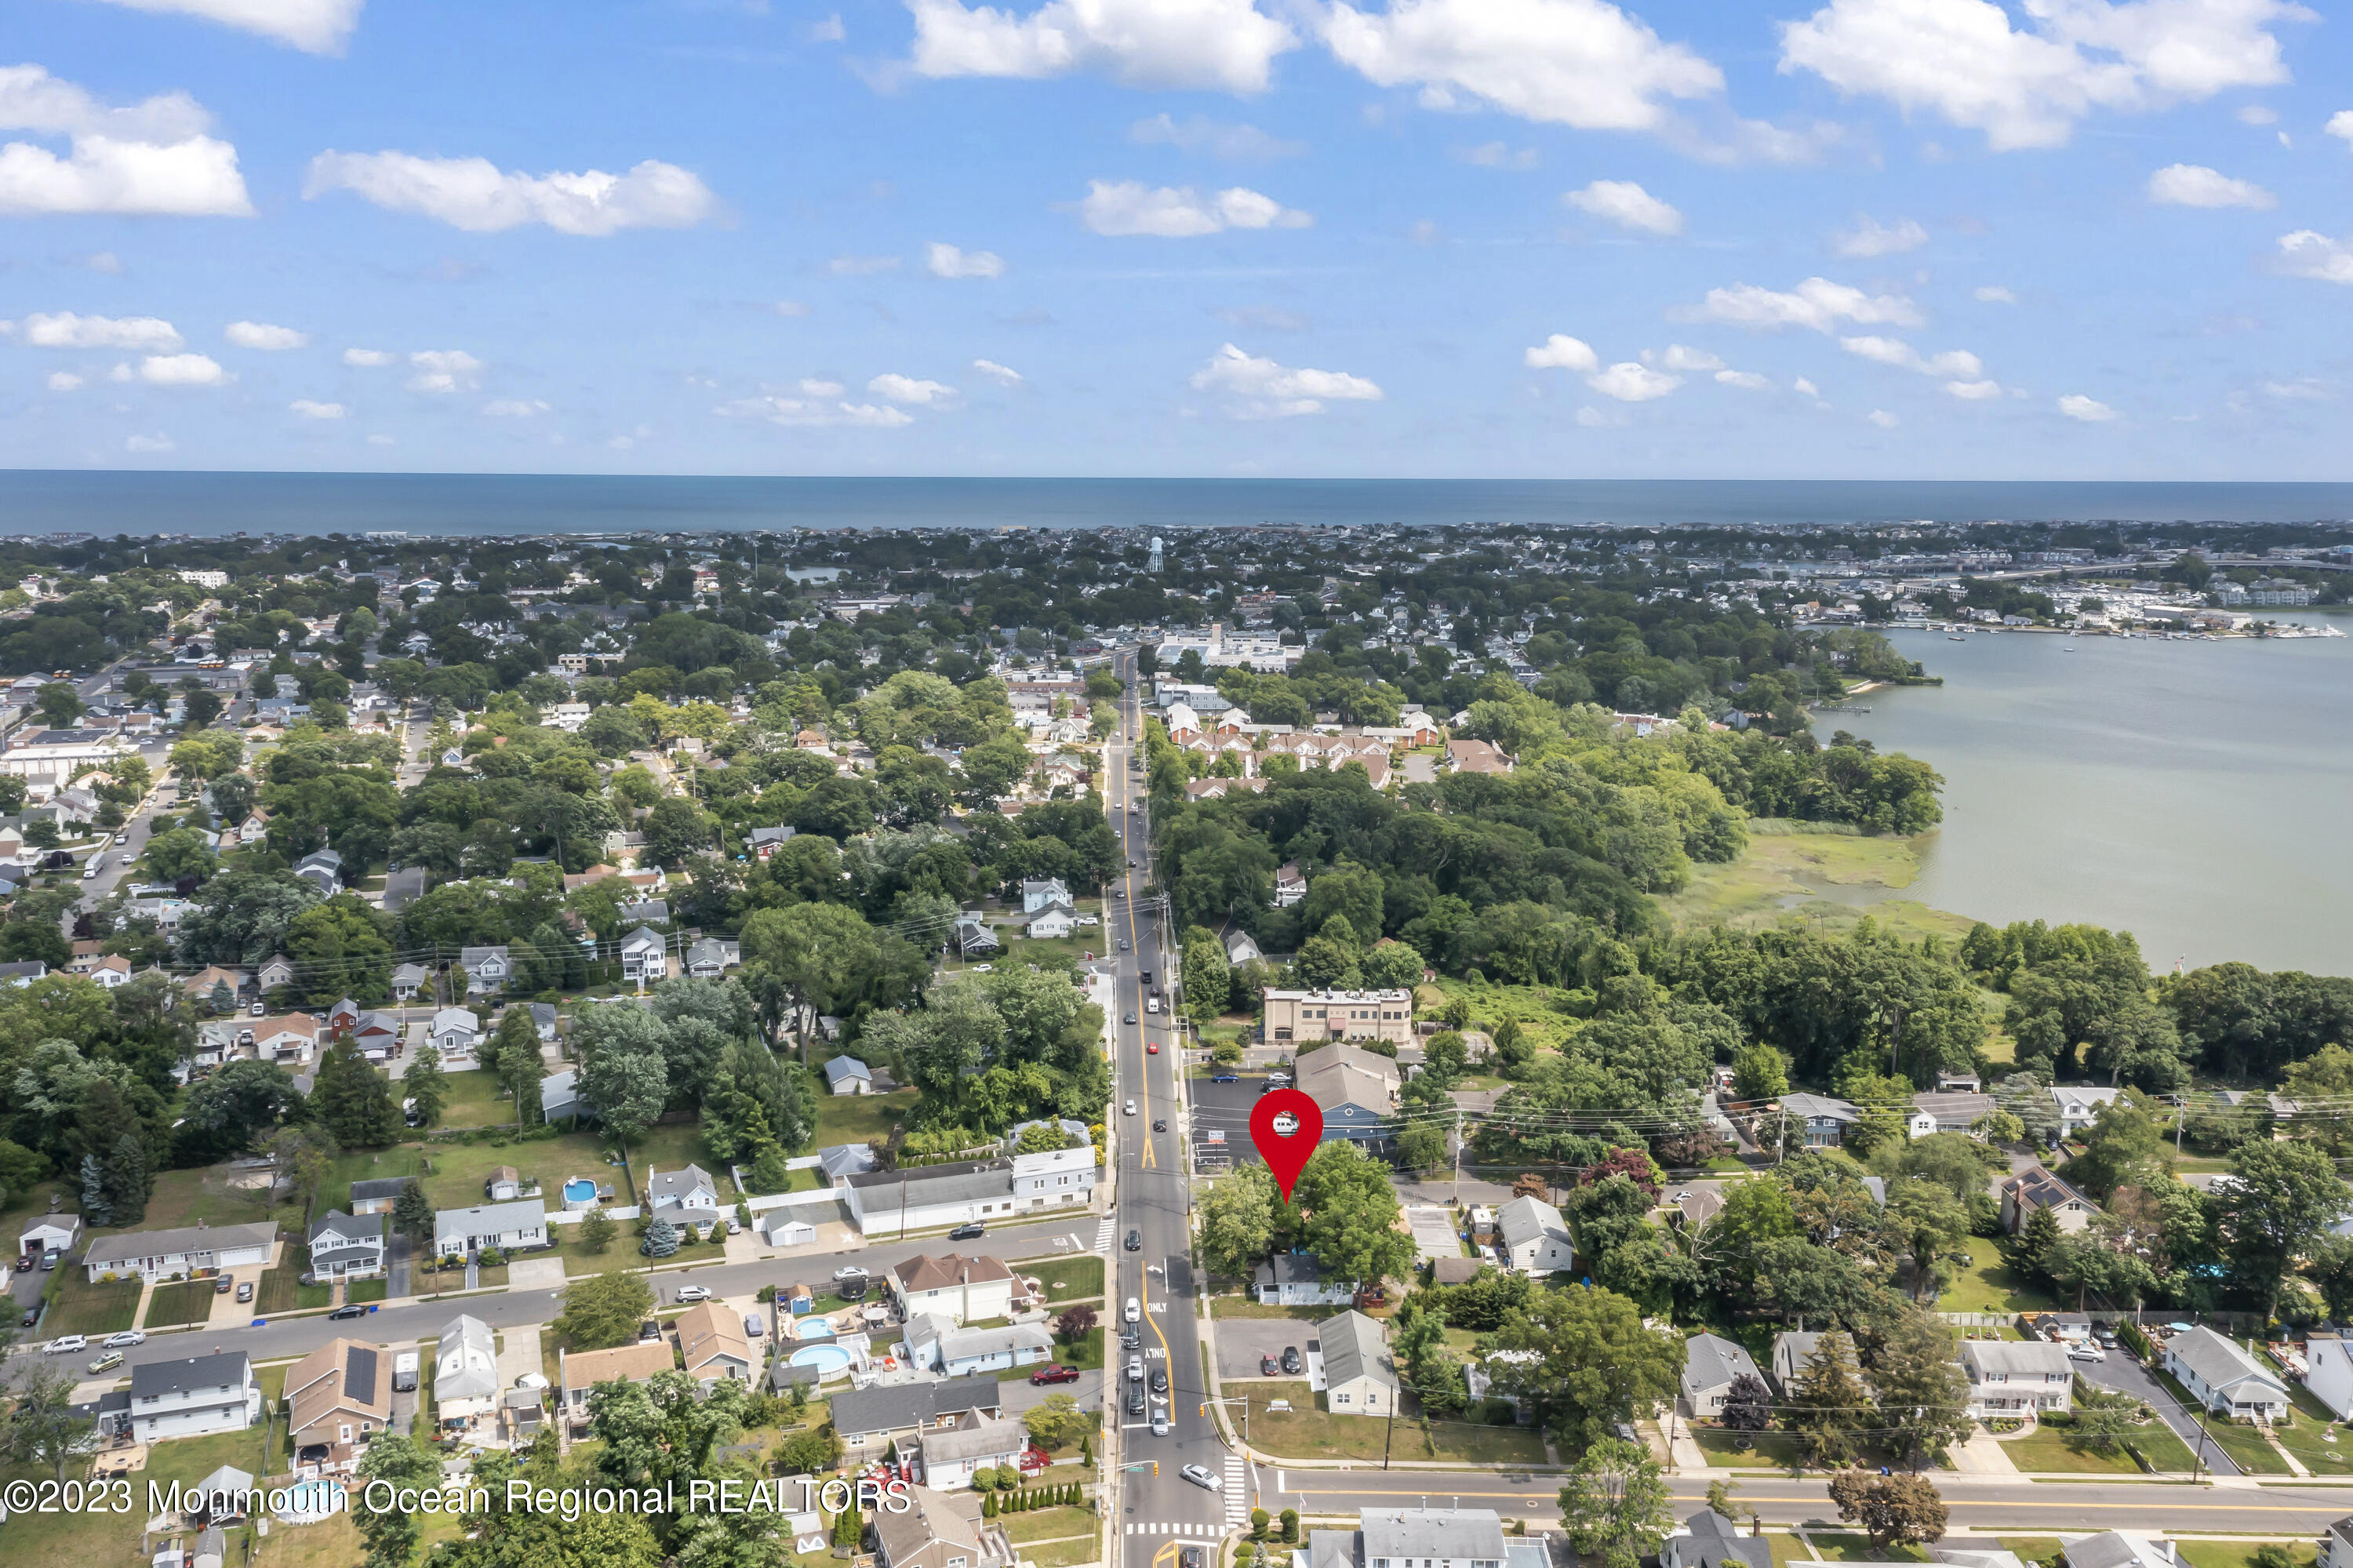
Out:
{"x": 580, "y": 1190}
{"x": 813, "y": 1328}
{"x": 830, "y": 1361}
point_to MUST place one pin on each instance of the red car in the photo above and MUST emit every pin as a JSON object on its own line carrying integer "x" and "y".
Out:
{"x": 1152, "y": 1047}
{"x": 1054, "y": 1374}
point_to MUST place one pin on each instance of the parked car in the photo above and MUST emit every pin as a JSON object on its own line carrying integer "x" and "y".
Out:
{"x": 123, "y": 1341}
{"x": 972, "y": 1231}
{"x": 647, "y": 1330}
{"x": 50, "y": 1259}
{"x": 66, "y": 1345}
{"x": 106, "y": 1363}
{"x": 345, "y": 1314}
{"x": 2106, "y": 1337}
{"x": 754, "y": 1326}
{"x": 1135, "y": 1241}
{"x": 1268, "y": 1367}
{"x": 223, "y": 1285}
{"x": 32, "y": 1316}
{"x": 1135, "y": 1313}
{"x": 1160, "y": 1380}
{"x": 23, "y": 1263}
{"x": 1053, "y": 1373}
{"x": 1135, "y": 1400}
{"x": 1225, "y": 1077}
{"x": 1291, "y": 1362}
{"x": 1136, "y": 1368}
{"x": 694, "y": 1293}
{"x": 1203, "y": 1477}
{"x": 849, "y": 1271}
{"x": 245, "y": 1290}
{"x": 2087, "y": 1353}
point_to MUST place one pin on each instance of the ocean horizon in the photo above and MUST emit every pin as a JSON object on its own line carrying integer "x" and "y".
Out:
{"x": 37, "y": 501}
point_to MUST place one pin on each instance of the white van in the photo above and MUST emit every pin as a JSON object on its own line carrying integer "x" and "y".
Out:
{"x": 89, "y": 872}
{"x": 1150, "y": 1004}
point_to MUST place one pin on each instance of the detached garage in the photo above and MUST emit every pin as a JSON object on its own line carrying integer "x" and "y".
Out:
{"x": 779, "y": 1228}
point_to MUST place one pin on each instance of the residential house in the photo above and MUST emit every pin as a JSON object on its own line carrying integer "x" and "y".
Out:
{"x": 376, "y": 1197}
{"x": 2118, "y": 1549}
{"x": 403, "y": 887}
{"x": 2035, "y": 1188}
{"x": 2009, "y": 1377}
{"x": 1420, "y": 1538}
{"x": 504, "y": 1226}
{"x": 711, "y": 1337}
{"x": 409, "y": 979}
{"x": 487, "y": 969}
{"x": 347, "y": 1246}
{"x": 338, "y": 1398}
{"x": 1242, "y": 948}
{"x": 580, "y": 1370}
{"x": 544, "y": 1020}
{"x": 1051, "y": 923}
{"x": 199, "y": 987}
{"x": 1355, "y": 1089}
{"x": 933, "y": 1341}
{"x": 841, "y": 1160}
{"x": 1317, "y": 1015}
{"x": 972, "y": 936}
{"x": 1295, "y": 1279}
{"x": 1053, "y": 1177}
{"x": 764, "y": 842}
{"x": 2078, "y": 1105}
{"x": 1711, "y": 1363}
{"x": 1475, "y": 756}
{"x": 560, "y": 1098}
{"x": 1825, "y": 1118}
{"x": 645, "y": 957}
{"x": 193, "y": 1396}
{"x": 1359, "y": 1379}
{"x": 868, "y": 1418}
{"x": 849, "y": 1076}
{"x": 2223, "y": 1377}
{"x": 929, "y": 1196}
{"x": 465, "y": 1372}
{"x": 2336, "y": 1545}
{"x": 961, "y": 1289}
{"x": 290, "y": 1039}
{"x": 1792, "y": 1348}
{"x": 278, "y": 971}
{"x": 324, "y": 871}
{"x": 1954, "y": 1112}
{"x": 711, "y": 957}
{"x": 940, "y": 1529}
{"x": 945, "y": 1457}
{"x": 1536, "y": 1239}
{"x": 456, "y": 1033}
{"x": 1708, "y": 1540}
{"x": 1289, "y": 884}
{"x": 187, "y": 1251}
{"x": 2328, "y": 1373}
{"x": 1041, "y": 893}
{"x": 643, "y": 912}
{"x": 686, "y": 1196}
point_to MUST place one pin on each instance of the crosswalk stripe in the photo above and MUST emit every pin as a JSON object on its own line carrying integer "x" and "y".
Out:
{"x": 1103, "y": 1229}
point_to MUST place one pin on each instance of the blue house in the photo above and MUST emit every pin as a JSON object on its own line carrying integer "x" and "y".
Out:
{"x": 1356, "y": 1089}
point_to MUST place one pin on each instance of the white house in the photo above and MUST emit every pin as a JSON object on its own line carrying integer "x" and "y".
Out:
{"x": 2336, "y": 1546}
{"x": 1535, "y": 1237}
{"x": 948, "y": 1455}
{"x": 1949, "y": 1112}
{"x": 487, "y": 969}
{"x": 2078, "y": 1105}
{"x": 506, "y": 1226}
{"x": 465, "y": 1370}
{"x": 2008, "y": 1377}
{"x": 1359, "y": 1379}
{"x": 409, "y": 979}
{"x": 1419, "y": 1537}
{"x": 2035, "y": 1188}
{"x": 711, "y": 958}
{"x": 157, "y": 1255}
{"x": 1294, "y": 1279}
{"x": 194, "y": 1397}
{"x": 688, "y": 1194}
{"x": 1054, "y": 921}
{"x": 927, "y": 1197}
{"x": 2221, "y": 1376}
{"x": 48, "y": 1233}
{"x": 644, "y": 955}
{"x": 1038, "y": 892}
{"x": 849, "y": 1076}
{"x": 2328, "y": 1372}
{"x": 347, "y": 1246}
{"x": 933, "y": 1342}
{"x": 960, "y": 1290}
{"x": 1054, "y": 1177}
{"x": 1711, "y": 1363}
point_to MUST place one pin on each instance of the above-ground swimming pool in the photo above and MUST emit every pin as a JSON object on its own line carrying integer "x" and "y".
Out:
{"x": 813, "y": 1328}
{"x": 830, "y": 1361}
{"x": 579, "y": 1192}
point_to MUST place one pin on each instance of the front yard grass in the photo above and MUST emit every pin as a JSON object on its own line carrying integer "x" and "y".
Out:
{"x": 1767, "y": 1450}
{"x": 1065, "y": 1553}
{"x": 80, "y": 1308}
{"x": 2243, "y": 1444}
{"x": 2240, "y": 1553}
{"x": 1049, "y": 1523}
{"x": 190, "y": 1301}
{"x": 1310, "y": 1430}
{"x": 1840, "y": 1546}
{"x": 1068, "y": 1279}
{"x": 1085, "y": 1352}
{"x": 1247, "y": 1307}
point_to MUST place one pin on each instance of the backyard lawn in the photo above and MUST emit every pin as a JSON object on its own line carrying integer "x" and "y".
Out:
{"x": 190, "y": 1301}
{"x": 859, "y": 1118}
{"x": 477, "y": 1099}
{"x": 1988, "y": 1286}
{"x": 69, "y": 1537}
{"x": 81, "y": 1307}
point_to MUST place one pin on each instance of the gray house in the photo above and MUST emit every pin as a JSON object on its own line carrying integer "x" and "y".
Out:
{"x": 560, "y": 1097}
{"x": 2221, "y": 1376}
{"x": 1708, "y": 1540}
{"x": 347, "y": 1246}
{"x": 1825, "y": 1118}
{"x": 1711, "y": 1364}
{"x": 1359, "y": 1379}
{"x": 506, "y": 1226}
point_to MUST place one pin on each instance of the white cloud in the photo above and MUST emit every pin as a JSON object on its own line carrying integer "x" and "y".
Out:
{"x": 183, "y": 370}
{"x": 1232, "y": 144}
{"x": 63, "y": 381}
{"x": 1806, "y": 387}
{"x": 367, "y": 358}
{"x": 1974, "y": 391}
{"x": 476, "y": 194}
{"x": 1882, "y": 418}
{"x": 151, "y": 158}
{"x": 2076, "y": 406}
{"x": 1963, "y": 61}
{"x": 262, "y": 335}
{"x": 1689, "y": 360}
{"x": 1746, "y": 380}
{"x": 1003, "y": 374}
{"x": 1869, "y": 237}
{"x": 1222, "y": 44}
{"x": 862, "y": 266}
{"x": 442, "y": 370}
{"x": 1817, "y": 302}
{"x": 66, "y": 330}
{"x": 1958, "y": 362}
{"x": 1629, "y": 382}
{"x": 2309, "y": 254}
{"x": 105, "y": 262}
{"x": 2340, "y": 125}
{"x": 516, "y": 407}
{"x": 810, "y": 387}
{"x": 1992, "y": 294}
{"x": 1627, "y": 205}
{"x": 1583, "y": 63}
{"x": 907, "y": 389}
{"x": 1126, "y": 207}
{"x": 306, "y": 409}
{"x": 1261, "y": 389}
{"x": 799, "y": 412}
{"x": 948, "y": 261}
{"x": 314, "y": 26}
{"x": 1497, "y": 155}
{"x": 830, "y": 31}
{"x": 1561, "y": 352}
{"x": 157, "y": 443}
{"x": 2194, "y": 185}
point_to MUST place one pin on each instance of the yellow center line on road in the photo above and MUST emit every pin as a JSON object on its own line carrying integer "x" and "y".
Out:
{"x": 1953, "y": 1502}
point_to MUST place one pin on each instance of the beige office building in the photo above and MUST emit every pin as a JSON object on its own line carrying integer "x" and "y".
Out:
{"x": 1340, "y": 1015}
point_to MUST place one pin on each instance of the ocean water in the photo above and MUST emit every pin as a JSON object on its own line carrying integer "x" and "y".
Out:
{"x": 54, "y": 501}
{"x": 2191, "y": 793}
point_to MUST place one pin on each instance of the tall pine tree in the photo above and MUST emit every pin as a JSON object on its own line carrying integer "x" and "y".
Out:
{"x": 353, "y": 1100}
{"x": 1829, "y": 1407}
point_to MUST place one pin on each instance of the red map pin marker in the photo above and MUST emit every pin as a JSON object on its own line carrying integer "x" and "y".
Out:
{"x": 1286, "y": 1125}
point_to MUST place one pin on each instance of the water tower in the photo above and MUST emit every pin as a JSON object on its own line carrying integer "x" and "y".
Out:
{"x": 1155, "y": 566}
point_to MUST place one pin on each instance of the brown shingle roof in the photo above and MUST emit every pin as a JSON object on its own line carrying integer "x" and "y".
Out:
{"x": 628, "y": 1363}
{"x": 945, "y": 1273}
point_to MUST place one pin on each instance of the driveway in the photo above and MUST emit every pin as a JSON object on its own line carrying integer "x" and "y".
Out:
{"x": 2125, "y": 1375}
{"x": 1019, "y": 1394}
{"x": 1241, "y": 1340}
{"x": 1433, "y": 1230}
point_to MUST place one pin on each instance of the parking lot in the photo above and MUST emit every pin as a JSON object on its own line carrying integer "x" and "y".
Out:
{"x": 1241, "y": 1340}
{"x": 1225, "y": 1107}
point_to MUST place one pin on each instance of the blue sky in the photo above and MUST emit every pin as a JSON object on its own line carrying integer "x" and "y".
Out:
{"x": 1894, "y": 238}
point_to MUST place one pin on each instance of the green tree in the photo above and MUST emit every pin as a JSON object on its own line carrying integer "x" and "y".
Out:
{"x": 1595, "y": 1361}
{"x": 353, "y": 1100}
{"x": 622, "y": 1073}
{"x": 425, "y": 1085}
{"x": 390, "y": 1534}
{"x": 1829, "y": 1408}
{"x": 1208, "y": 978}
{"x": 1928, "y": 1224}
{"x": 43, "y": 1426}
{"x": 1058, "y": 1422}
{"x": 1922, "y": 1393}
{"x": 1349, "y": 1213}
{"x": 597, "y": 1230}
{"x": 1238, "y": 1222}
{"x": 675, "y": 829}
{"x": 1614, "y": 1503}
{"x": 603, "y": 1310}
{"x": 180, "y": 852}
{"x": 2284, "y": 1199}
{"x": 1892, "y": 1510}
{"x": 661, "y": 1240}
{"x": 1760, "y": 1073}
{"x": 412, "y": 1214}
